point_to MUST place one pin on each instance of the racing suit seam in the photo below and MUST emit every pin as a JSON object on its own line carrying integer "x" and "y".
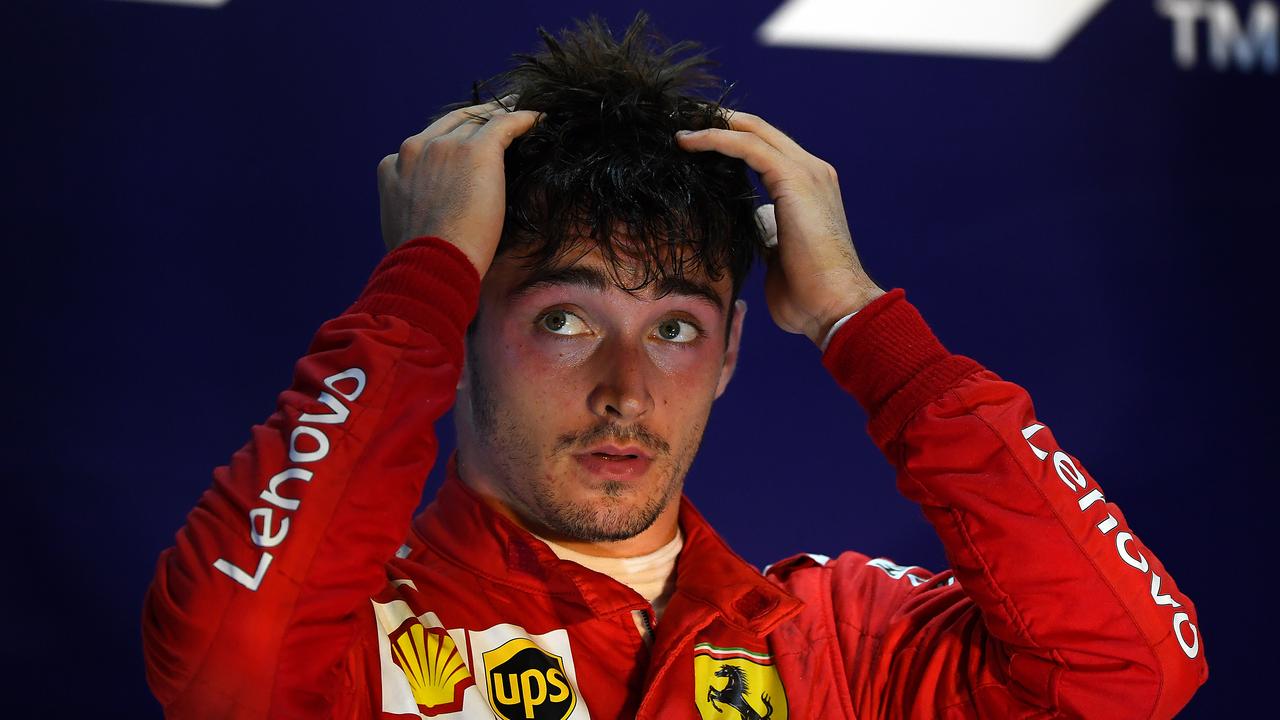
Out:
{"x": 1005, "y": 600}
{"x": 1159, "y": 669}
{"x": 913, "y": 646}
{"x": 1008, "y": 602}
{"x": 837, "y": 648}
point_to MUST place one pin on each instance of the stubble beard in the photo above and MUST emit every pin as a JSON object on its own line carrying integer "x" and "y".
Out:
{"x": 516, "y": 459}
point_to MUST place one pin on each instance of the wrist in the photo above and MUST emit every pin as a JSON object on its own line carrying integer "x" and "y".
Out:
{"x": 821, "y": 334}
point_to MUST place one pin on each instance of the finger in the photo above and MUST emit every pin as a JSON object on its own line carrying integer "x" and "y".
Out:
{"x": 412, "y": 146}
{"x": 755, "y": 124}
{"x": 760, "y": 155}
{"x": 768, "y": 224}
{"x": 455, "y": 118}
{"x": 504, "y": 129}
{"x": 465, "y": 129}
{"x": 388, "y": 171}
{"x": 386, "y": 164}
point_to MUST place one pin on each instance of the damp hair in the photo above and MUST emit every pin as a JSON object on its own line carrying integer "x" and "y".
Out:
{"x": 602, "y": 164}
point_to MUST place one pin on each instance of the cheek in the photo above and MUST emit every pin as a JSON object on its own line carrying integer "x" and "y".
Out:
{"x": 544, "y": 357}
{"x": 540, "y": 370}
{"x": 683, "y": 391}
{"x": 688, "y": 368}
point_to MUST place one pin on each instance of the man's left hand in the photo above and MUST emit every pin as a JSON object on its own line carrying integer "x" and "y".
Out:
{"x": 814, "y": 277}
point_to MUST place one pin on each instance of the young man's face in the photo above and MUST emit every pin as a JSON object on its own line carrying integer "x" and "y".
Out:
{"x": 582, "y": 406}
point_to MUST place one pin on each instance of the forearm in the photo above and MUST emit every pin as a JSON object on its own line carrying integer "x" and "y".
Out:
{"x": 1085, "y": 615}
{"x": 295, "y": 531}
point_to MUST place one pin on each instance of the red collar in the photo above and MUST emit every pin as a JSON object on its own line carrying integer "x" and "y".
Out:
{"x": 460, "y": 527}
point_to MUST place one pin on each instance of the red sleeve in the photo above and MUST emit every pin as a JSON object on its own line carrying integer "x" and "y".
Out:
{"x": 1057, "y": 609}
{"x": 253, "y": 611}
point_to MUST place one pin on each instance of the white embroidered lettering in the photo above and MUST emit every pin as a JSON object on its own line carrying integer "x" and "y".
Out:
{"x": 268, "y": 526}
{"x": 1075, "y": 480}
{"x": 250, "y": 581}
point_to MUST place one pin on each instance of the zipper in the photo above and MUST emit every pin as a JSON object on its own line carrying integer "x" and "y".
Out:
{"x": 645, "y": 623}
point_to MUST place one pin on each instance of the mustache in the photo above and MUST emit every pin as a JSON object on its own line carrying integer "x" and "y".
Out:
{"x": 621, "y": 434}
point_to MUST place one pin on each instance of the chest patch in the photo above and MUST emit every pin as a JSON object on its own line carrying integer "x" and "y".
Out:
{"x": 527, "y": 676}
{"x": 736, "y": 684}
{"x": 433, "y": 666}
{"x": 424, "y": 667}
{"x": 437, "y": 673}
{"x": 527, "y": 682}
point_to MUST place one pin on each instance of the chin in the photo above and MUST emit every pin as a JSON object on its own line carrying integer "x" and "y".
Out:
{"x": 610, "y": 511}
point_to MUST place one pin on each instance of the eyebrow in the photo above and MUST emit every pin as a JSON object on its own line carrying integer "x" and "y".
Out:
{"x": 595, "y": 279}
{"x": 691, "y": 289}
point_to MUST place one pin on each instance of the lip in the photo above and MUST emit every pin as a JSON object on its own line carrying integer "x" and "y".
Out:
{"x": 621, "y": 463}
{"x": 618, "y": 450}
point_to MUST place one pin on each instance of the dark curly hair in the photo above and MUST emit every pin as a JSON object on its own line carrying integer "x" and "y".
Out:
{"x": 603, "y": 163}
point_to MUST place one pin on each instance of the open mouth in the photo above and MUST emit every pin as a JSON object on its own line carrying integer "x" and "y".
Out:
{"x": 607, "y": 456}
{"x": 615, "y": 462}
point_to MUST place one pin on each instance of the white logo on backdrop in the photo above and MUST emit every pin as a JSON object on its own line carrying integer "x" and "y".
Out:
{"x": 1005, "y": 29}
{"x": 1232, "y": 42}
{"x": 188, "y": 3}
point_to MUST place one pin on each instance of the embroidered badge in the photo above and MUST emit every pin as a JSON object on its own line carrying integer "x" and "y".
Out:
{"x": 737, "y": 684}
{"x": 424, "y": 666}
{"x": 433, "y": 666}
{"x": 526, "y": 682}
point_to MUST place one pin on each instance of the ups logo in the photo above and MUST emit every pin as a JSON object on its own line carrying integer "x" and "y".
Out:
{"x": 528, "y": 683}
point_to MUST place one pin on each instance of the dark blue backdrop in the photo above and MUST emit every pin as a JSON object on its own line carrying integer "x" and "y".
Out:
{"x": 192, "y": 193}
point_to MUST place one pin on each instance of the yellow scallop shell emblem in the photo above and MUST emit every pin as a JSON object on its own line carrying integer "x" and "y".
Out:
{"x": 433, "y": 666}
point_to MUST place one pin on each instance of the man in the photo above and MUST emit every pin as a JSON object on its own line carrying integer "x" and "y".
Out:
{"x": 567, "y": 260}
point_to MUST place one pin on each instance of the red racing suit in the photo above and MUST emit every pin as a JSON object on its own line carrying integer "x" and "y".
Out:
{"x": 301, "y": 585}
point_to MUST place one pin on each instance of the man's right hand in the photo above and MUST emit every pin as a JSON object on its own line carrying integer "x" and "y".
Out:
{"x": 448, "y": 181}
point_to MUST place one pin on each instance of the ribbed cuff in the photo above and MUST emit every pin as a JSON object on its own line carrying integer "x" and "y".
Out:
{"x": 835, "y": 328}
{"x": 887, "y": 357}
{"x": 427, "y": 282}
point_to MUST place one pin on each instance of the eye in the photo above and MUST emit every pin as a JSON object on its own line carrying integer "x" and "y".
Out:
{"x": 677, "y": 330}
{"x": 562, "y": 322}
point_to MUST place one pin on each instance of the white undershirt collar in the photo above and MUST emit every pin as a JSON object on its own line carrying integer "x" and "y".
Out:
{"x": 651, "y": 575}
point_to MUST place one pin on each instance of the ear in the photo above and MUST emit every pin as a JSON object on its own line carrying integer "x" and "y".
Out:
{"x": 731, "y": 350}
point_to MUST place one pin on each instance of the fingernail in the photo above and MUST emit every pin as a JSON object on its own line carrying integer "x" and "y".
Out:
{"x": 683, "y": 133}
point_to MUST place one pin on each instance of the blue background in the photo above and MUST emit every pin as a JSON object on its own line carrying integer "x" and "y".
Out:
{"x": 192, "y": 194}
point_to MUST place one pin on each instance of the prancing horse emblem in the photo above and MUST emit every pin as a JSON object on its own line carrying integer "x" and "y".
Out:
{"x": 735, "y": 692}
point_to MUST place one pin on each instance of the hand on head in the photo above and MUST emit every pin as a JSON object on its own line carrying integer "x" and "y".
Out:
{"x": 448, "y": 180}
{"x": 814, "y": 276}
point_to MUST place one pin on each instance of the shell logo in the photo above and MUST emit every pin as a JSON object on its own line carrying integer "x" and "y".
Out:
{"x": 431, "y": 662}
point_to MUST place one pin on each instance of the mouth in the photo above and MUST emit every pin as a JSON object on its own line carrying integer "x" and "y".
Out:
{"x": 615, "y": 461}
{"x": 617, "y": 452}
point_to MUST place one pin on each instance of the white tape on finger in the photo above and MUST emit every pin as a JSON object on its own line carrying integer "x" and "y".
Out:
{"x": 768, "y": 225}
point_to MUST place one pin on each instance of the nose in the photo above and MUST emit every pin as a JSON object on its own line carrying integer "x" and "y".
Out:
{"x": 621, "y": 393}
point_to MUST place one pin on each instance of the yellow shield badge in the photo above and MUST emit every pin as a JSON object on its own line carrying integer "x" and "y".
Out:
{"x": 736, "y": 684}
{"x": 527, "y": 682}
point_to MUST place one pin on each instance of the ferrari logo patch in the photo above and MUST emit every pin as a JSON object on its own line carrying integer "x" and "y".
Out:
{"x": 736, "y": 684}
